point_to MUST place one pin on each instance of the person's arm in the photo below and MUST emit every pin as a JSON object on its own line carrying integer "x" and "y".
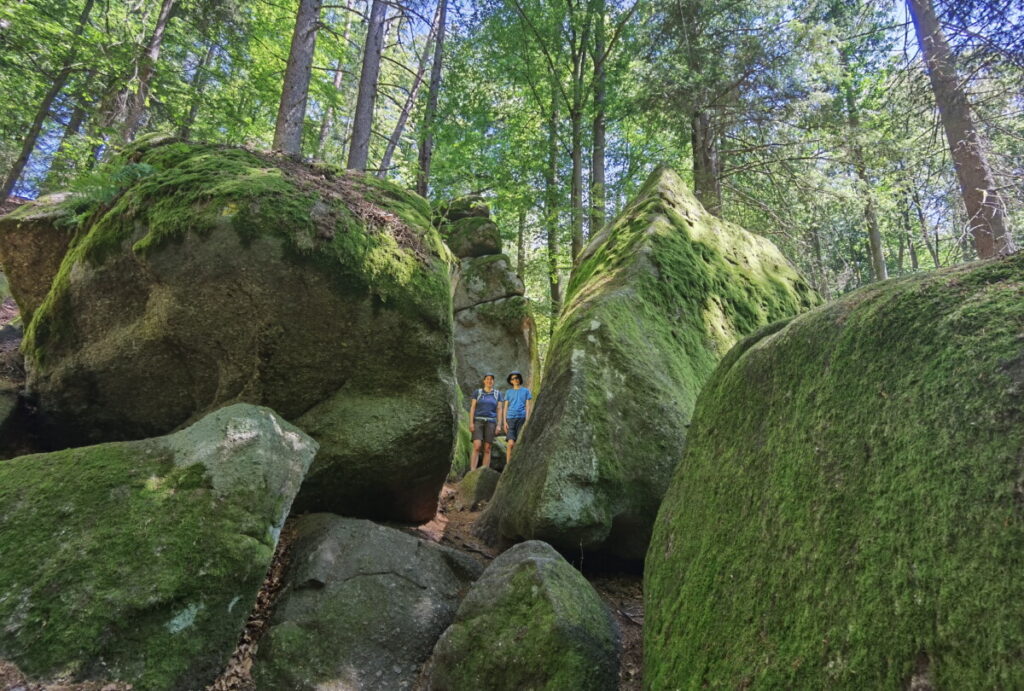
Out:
{"x": 529, "y": 405}
{"x": 472, "y": 413}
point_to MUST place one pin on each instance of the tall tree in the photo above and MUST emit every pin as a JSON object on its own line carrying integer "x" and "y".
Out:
{"x": 43, "y": 111}
{"x": 137, "y": 100}
{"x": 362, "y": 122}
{"x": 597, "y": 162}
{"x": 430, "y": 113}
{"x": 986, "y": 210}
{"x": 291, "y": 113}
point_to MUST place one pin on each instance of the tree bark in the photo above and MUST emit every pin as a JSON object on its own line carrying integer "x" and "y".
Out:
{"x": 410, "y": 101}
{"x": 291, "y": 113}
{"x": 362, "y": 122}
{"x": 933, "y": 250}
{"x": 135, "y": 111}
{"x": 597, "y": 167}
{"x": 878, "y": 267}
{"x": 986, "y": 211}
{"x": 28, "y": 144}
{"x": 707, "y": 181}
{"x": 521, "y": 246}
{"x": 199, "y": 81}
{"x": 551, "y": 207}
{"x": 430, "y": 114}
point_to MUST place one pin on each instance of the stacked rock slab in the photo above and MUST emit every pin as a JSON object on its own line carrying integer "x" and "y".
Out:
{"x": 532, "y": 621}
{"x": 140, "y": 561}
{"x": 494, "y": 331}
{"x": 33, "y": 241}
{"x": 221, "y": 275}
{"x": 848, "y": 512}
{"x": 362, "y": 607}
{"x": 656, "y": 299}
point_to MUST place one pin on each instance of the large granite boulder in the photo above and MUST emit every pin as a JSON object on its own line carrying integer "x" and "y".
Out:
{"x": 532, "y": 621}
{"x": 476, "y": 488}
{"x": 485, "y": 279}
{"x": 140, "y": 561}
{"x": 362, "y": 607}
{"x": 656, "y": 299}
{"x": 848, "y": 512}
{"x": 497, "y": 337}
{"x": 226, "y": 275}
{"x": 33, "y": 240}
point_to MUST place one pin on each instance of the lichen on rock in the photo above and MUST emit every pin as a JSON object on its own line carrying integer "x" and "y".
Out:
{"x": 656, "y": 299}
{"x": 848, "y": 510}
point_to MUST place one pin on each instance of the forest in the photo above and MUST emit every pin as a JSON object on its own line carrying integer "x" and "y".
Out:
{"x": 511, "y": 344}
{"x": 814, "y": 123}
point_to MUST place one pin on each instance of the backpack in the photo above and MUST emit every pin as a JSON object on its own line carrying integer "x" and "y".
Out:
{"x": 480, "y": 392}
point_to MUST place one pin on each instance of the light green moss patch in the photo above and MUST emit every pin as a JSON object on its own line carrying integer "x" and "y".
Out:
{"x": 848, "y": 513}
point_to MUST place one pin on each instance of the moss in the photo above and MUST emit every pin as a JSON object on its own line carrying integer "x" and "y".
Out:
{"x": 463, "y": 444}
{"x": 91, "y": 584}
{"x": 511, "y": 310}
{"x": 656, "y": 299}
{"x": 530, "y": 622}
{"x": 366, "y": 234}
{"x": 848, "y": 510}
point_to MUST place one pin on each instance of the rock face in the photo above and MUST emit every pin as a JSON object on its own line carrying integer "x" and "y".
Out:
{"x": 140, "y": 561}
{"x": 476, "y": 488}
{"x": 848, "y": 510}
{"x": 655, "y": 300}
{"x": 494, "y": 330}
{"x": 362, "y": 608}
{"x": 33, "y": 241}
{"x": 224, "y": 275}
{"x": 532, "y": 621}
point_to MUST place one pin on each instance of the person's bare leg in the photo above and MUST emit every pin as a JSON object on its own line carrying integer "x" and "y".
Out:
{"x": 475, "y": 455}
{"x": 508, "y": 450}
{"x": 486, "y": 460}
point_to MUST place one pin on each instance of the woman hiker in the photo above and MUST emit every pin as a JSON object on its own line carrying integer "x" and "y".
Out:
{"x": 484, "y": 416}
{"x": 516, "y": 411}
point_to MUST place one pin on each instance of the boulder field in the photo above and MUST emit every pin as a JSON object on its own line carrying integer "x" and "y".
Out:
{"x": 219, "y": 275}
{"x": 140, "y": 561}
{"x": 848, "y": 512}
{"x": 655, "y": 300}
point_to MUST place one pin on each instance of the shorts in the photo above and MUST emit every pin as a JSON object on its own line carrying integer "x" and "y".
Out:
{"x": 514, "y": 425}
{"x": 483, "y": 430}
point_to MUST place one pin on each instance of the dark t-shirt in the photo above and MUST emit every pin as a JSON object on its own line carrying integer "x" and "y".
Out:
{"x": 487, "y": 403}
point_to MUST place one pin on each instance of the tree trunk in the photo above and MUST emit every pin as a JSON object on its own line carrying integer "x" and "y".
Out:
{"x": 291, "y": 113}
{"x": 135, "y": 111}
{"x": 707, "y": 182}
{"x": 427, "y": 136}
{"x": 933, "y": 250}
{"x": 64, "y": 159}
{"x": 403, "y": 117}
{"x": 986, "y": 212}
{"x": 597, "y": 168}
{"x": 327, "y": 124}
{"x": 199, "y": 81}
{"x": 878, "y": 267}
{"x": 521, "y": 246}
{"x": 551, "y": 207}
{"x": 28, "y": 144}
{"x": 362, "y": 122}
{"x": 819, "y": 265}
{"x": 576, "y": 190}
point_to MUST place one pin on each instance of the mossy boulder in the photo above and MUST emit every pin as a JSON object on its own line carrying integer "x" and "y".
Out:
{"x": 220, "y": 275}
{"x": 33, "y": 241}
{"x": 140, "y": 561}
{"x": 531, "y": 621}
{"x": 485, "y": 279}
{"x": 656, "y": 299}
{"x": 848, "y": 512}
{"x": 472, "y": 236}
{"x": 476, "y": 488}
{"x": 362, "y": 607}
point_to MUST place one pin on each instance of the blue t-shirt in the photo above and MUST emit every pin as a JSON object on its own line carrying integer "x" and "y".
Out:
{"x": 517, "y": 399}
{"x": 487, "y": 403}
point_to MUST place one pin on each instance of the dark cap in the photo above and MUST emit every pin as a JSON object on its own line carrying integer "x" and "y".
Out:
{"x": 508, "y": 379}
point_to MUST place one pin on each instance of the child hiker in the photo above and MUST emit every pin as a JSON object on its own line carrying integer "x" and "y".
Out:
{"x": 484, "y": 415}
{"x": 516, "y": 411}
